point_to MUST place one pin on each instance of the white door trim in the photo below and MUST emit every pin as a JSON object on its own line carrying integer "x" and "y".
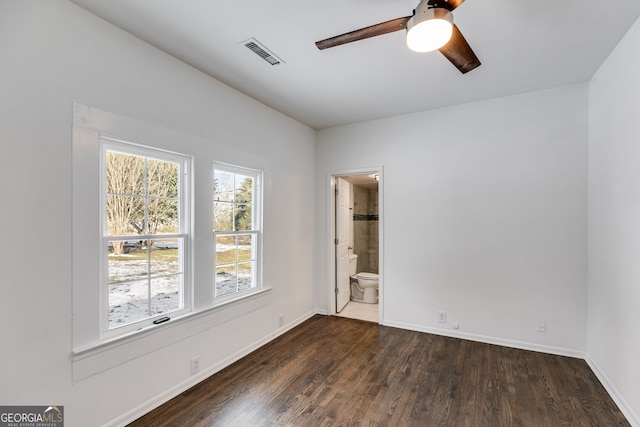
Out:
{"x": 330, "y": 238}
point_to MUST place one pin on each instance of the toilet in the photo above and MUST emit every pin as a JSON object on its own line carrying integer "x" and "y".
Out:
{"x": 364, "y": 286}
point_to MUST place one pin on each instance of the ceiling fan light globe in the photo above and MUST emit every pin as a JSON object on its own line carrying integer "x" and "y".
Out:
{"x": 429, "y": 29}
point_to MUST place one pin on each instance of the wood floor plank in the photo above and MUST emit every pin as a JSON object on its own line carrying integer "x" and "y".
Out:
{"x": 333, "y": 371}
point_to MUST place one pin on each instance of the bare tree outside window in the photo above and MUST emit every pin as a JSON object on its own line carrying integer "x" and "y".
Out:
{"x": 125, "y": 187}
{"x": 141, "y": 196}
{"x": 144, "y": 242}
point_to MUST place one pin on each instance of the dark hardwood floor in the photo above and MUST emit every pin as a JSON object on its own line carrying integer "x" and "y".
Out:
{"x": 332, "y": 371}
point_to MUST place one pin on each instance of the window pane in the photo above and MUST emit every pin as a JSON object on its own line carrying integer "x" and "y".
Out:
{"x": 124, "y": 174}
{"x": 165, "y": 257}
{"x": 243, "y": 219}
{"x": 163, "y": 216}
{"x": 165, "y": 294}
{"x": 234, "y": 212}
{"x": 223, "y": 186}
{"x": 145, "y": 276}
{"x": 245, "y": 275}
{"x": 246, "y": 247}
{"x": 222, "y": 216}
{"x": 225, "y": 249}
{"x": 127, "y": 260}
{"x": 162, "y": 178}
{"x": 128, "y": 302}
{"x": 244, "y": 189}
{"x": 226, "y": 280}
{"x": 125, "y": 215}
{"x": 129, "y": 295}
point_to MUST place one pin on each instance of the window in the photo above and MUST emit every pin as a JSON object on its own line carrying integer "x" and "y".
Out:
{"x": 145, "y": 235}
{"x": 136, "y": 198}
{"x": 236, "y": 229}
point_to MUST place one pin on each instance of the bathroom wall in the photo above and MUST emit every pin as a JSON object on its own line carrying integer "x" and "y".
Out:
{"x": 365, "y": 223}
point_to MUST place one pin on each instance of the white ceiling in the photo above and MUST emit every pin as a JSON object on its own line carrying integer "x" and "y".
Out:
{"x": 523, "y": 46}
{"x": 364, "y": 180}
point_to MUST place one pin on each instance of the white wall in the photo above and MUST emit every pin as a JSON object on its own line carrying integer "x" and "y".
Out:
{"x": 484, "y": 210}
{"x": 614, "y": 223}
{"x": 54, "y": 53}
{"x": 484, "y": 216}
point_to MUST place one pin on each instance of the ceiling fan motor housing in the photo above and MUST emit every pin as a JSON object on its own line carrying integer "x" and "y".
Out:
{"x": 429, "y": 28}
{"x": 429, "y": 9}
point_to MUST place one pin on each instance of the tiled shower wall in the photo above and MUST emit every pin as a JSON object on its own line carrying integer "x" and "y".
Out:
{"x": 365, "y": 228}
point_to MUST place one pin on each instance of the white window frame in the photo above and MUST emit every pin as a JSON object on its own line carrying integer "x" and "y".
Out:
{"x": 92, "y": 351}
{"x": 256, "y": 231}
{"x": 184, "y": 234}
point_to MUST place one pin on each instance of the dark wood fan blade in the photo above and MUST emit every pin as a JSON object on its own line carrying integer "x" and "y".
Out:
{"x": 446, "y": 4}
{"x": 458, "y": 51}
{"x": 364, "y": 33}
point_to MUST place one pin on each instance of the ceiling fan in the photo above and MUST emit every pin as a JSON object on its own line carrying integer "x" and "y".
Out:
{"x": 430, "y": 27}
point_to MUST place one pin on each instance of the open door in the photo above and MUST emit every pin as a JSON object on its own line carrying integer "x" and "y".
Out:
{"x": 343, "y": 292}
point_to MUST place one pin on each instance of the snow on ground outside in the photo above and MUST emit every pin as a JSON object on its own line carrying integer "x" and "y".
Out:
{"x": 129, "y": 302}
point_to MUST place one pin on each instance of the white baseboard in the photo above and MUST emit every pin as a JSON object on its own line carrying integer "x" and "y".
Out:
{"x": 626, "y": 409}
{"x": 183, "y": 386}
{"x": 560, "y": 351}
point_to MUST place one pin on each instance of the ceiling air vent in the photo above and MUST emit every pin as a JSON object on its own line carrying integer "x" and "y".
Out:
{"x": 260, "y": 50}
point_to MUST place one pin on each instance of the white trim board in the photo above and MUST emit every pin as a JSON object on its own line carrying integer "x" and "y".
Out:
{"x": 151, "y": 404}
{"x": 162, "y": 398}
{"x": 624, "y": 407}
{"x": 330, "y": 233}
{"x": 622, "y": 404}
{"x": 560, "y": 351}
{"x": 106, "y": 356}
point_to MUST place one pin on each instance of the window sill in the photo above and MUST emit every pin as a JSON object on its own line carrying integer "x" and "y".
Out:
{"x": 105, "y": 355}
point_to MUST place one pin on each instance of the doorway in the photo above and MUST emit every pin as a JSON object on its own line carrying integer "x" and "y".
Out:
{"x": 356, "y": 242}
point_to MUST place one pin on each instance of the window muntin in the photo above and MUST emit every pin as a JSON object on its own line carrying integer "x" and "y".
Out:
{"x": 145, "y": 235}
{"x": 236, "y": 227}
{"x": 95, "y": 347}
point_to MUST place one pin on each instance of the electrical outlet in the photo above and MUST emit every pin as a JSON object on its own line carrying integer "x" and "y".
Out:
{"x": 442, "y": 316}
{"x": 195, "y": 365}
{"x": 281, "y": 320}
{"x": 542, "y": 326}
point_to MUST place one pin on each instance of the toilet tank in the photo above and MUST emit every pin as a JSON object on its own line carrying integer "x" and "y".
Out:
{"x": 353, "y": 264}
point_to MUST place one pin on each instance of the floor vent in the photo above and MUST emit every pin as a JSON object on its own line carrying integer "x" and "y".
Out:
{"x": 260, "y": 50}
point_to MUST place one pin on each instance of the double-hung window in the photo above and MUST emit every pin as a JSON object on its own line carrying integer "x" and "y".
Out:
{"x": 140, "y": 278}
{"x": 237, "y": 230}
{"x": 145, "y": 236}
